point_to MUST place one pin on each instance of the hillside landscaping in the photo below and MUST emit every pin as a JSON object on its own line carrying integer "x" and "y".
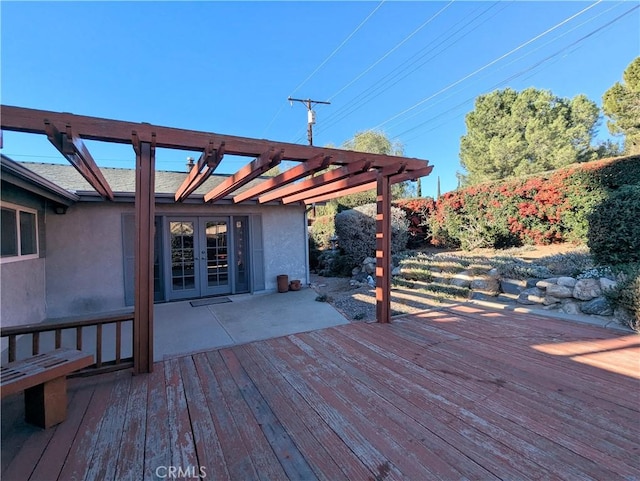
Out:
{"x": 473, "y": 243}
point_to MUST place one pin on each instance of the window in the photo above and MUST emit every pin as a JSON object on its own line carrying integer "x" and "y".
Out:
{"x": 19, "y": 228}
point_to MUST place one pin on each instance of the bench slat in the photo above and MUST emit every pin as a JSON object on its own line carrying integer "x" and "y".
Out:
{"x": 24, "y": 374}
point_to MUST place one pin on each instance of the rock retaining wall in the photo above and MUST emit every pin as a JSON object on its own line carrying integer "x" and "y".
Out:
{"x": 569, "y": 295}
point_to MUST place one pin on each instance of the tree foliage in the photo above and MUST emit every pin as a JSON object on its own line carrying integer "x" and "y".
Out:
{"x": 373, "y": 142}
{"x": 512, "y": 133}
{"x": 621, "y": 103}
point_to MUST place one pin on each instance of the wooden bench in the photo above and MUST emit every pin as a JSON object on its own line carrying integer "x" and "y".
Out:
{"x": 43, "y": 378}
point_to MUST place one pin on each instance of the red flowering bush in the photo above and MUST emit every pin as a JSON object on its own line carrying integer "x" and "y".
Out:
{"x": 542, "y": 209}
{"x": 417, "y": 211}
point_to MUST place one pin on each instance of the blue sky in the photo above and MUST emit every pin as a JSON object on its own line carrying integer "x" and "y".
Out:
{"x": 410, "y": 69}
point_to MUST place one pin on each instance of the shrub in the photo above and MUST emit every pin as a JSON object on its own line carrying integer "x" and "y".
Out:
{"x": 332, "y": 263}
{"x": 417, "y": 212}
{"x": 614, "y": 227}
{"x": 626, "y": 294}
{"x": 322, "y": 230}
{"x": 356, "y": 230}
{"x": 542, "y": 209}
{"x": 568, "y": 263}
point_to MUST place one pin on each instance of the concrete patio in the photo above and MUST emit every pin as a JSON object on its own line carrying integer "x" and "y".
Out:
{"x": 180, "y": 328}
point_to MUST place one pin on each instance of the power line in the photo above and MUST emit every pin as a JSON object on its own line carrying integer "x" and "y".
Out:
{"x": 406, "y": 39}
{"x": 395, "y": 76}
{"x": 344, "y": 42}
{"x": 484, "y": 67}
{"x": 526, "y": 70}
{"x": 452, "y": 94}
{"x": 331, "y": 55}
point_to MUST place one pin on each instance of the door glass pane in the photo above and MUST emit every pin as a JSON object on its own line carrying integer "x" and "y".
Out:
{"x": 182, "y": 255}
{"x": 240, "y": 237}
{"x": 216, "y": 251}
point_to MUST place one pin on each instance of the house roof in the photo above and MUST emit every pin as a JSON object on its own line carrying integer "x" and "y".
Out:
{"x": 122, "y": 181}
{"x": 21, "y": 176}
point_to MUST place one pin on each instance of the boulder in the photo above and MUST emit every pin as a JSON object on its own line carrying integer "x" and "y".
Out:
{"x": 550, "y": 300}
{"x": 570, "y": 307}
{"x": 462, "y": 279}
{"x": 567, "y": 281}
{"x": 598, "y": 306}
{"x": 513, "y": 286}
{"x": 587, "y": 289}
{"x": 530, "y": 296}
{"x": 545, "y": 283}
{"x": 396, "y": 271}
{"x": 559, "y": 291}
{"x": 607, "y": 284}
{"x": 369, "y": 265}
{"x": 355, "y": 271}
{"x": 486, "y": 285}
{"x": 494, "y": 273}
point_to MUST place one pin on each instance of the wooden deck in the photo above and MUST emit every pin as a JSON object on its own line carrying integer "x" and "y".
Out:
{"x": 461, "y": 393}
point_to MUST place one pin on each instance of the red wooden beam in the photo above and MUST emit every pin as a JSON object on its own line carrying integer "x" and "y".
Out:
{"x": 21, "y": 119}
{"x": 210, "y": 158}
{"x": 339, "y": 185}
{"x": 341, "y": 193}
{"x": 74, "y": 150}
{"x": 383, "y": 249}
{"x": 394, "y": 179}
{"x": 267, "y": 160}
{"x": 340, "y": 173}
{"x": 145, "y": 216}
{"x": 318, "y": 162}
{"x": 331, "y": 187}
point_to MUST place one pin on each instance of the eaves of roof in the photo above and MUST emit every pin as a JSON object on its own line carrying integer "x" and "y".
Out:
{"x": 17, "y": 174}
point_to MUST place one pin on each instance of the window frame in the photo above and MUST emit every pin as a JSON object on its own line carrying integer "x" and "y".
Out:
{"x": 20, "y": 257}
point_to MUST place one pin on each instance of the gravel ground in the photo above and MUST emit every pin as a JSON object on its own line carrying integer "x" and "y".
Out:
{"x": 359, "y": 304}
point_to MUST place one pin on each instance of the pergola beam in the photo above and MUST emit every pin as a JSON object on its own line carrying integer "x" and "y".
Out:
{"x": 20, "y": 119}
{"x": 335, "y": 174}
{"x": 267, "y": 160}
{"x": 394, "y": 179}
{"x": 74, "y": 150}
{"x": 210, "y": 158}
{"x": 309, "y": 167}
{"x": 354, "y": 181}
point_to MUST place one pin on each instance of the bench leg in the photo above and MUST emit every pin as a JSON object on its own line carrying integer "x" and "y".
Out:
{"x": 45, "y": 405}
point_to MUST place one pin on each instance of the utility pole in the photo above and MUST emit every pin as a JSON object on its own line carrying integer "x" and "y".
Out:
{"x": 311, "y": 115}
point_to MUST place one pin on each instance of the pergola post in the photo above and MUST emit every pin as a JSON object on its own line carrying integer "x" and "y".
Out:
{"x": 145, "y": 225}
{"x": 383, "y": 249}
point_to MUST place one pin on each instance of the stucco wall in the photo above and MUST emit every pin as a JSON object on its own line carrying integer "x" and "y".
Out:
{"x": 284, "y": 245}
{"x": 84, "y": 268}
{"x": 22, "y": 282}
{"x": 22, "y": 292}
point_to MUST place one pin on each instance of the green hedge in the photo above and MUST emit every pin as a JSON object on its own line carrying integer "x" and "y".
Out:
{"x": 614, "y": 227}
{"x": 540, "y": 209}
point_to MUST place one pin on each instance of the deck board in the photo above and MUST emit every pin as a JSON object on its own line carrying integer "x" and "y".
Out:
{"x": 459, "y": 393}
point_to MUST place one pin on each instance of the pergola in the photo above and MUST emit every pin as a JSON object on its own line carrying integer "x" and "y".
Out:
{"x": 348, "y": 172}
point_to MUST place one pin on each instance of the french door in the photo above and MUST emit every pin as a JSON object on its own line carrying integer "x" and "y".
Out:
{"x": 207, "y": 256}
